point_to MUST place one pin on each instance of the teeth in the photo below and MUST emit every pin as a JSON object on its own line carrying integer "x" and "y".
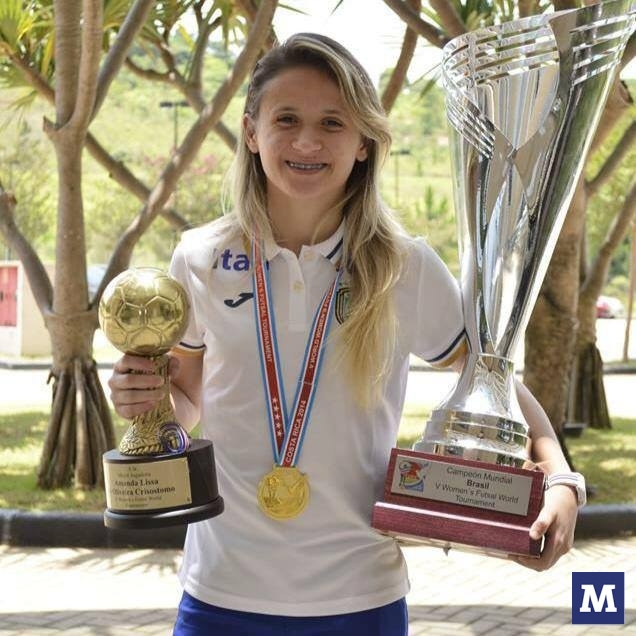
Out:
{"x": 305, "y": 166}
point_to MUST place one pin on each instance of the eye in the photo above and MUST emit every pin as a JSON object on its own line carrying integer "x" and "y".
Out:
{"x": 331, "y": 123}
{"x": 286, "y": 120}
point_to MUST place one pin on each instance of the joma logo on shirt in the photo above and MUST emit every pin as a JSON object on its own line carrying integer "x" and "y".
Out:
{"x": 237, "y": 302}
{"x": 229, "y": 261}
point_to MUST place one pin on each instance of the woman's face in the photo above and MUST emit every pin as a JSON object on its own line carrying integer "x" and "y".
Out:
{"x": 306, "y": 139}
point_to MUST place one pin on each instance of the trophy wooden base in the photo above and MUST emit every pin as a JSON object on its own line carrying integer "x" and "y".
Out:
{"x": 460, "y": 503}
{"x": 154, "y": 491}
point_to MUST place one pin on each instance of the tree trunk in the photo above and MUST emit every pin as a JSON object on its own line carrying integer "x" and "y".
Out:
{"x": 588, "y": 402}
{"x": 566, "y": 305}
{"x": 80, "y": 427}
{"x": 554, "y": 320}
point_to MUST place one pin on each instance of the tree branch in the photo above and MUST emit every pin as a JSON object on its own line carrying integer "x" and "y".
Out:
{"x": 449, "y": 17}
{"x": 195, "y": 137}
{"x": 195, "y": 76}
{"x": 33, "y": 78}
{"x": 34, "y": 269}
{"x": 429, "y": 32}
{"x": 618, "y": 102}
{"x": 135, "y": 19}
{"x": 249, "y": 9}
{"x": 92, "y": 30}
{"x": 562, "y": 5}
{"x": 613, "y": 161}
{"x": 147, "y": 73}
{"x": 599, "y": 269}
{"x": 630, "y": 51}
{"x": 116, "y": 169}
{"x": 67, "y": 36}
{"x": 526, "y": 8}
{"x": 398, "y": 75}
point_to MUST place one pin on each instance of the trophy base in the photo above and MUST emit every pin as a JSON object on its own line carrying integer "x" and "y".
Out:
{"x": 155, "y": 491}
{"x": 460, "y": 503}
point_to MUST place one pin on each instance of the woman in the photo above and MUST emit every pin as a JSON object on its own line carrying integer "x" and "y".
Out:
{"x": 307, "y": 300}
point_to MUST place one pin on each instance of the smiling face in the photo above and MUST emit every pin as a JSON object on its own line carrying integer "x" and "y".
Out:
{"x": 306, "y": 139}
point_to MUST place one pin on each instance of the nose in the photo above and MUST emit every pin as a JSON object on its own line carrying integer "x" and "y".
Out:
{"x": 306, "y": 141}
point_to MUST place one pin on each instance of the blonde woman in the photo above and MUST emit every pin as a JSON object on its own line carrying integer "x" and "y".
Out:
{"x": 308, "y": 299}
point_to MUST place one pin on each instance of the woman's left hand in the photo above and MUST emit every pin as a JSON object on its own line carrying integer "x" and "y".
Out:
{"x": 556, "y": 522}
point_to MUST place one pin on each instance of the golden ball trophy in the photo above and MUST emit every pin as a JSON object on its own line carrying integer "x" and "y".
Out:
{"x": 158, "y": 476}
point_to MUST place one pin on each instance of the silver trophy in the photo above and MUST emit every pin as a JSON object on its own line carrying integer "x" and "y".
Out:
{"x": 523, "y": 101}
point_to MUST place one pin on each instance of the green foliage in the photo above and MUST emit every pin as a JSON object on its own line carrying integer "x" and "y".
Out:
{"x": 603, "y": 208}
{"x": 137, "y": 131}
{"x": 33, "y": 189}
{"x": 23, "y": 434}
{"x": 416, "y": 181}
{"x": 607, "y": 458}
{"x": 26, "y": 32}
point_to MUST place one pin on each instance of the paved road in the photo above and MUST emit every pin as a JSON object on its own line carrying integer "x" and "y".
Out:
{"x": 28, "y": 388}
{"x": 81, "y": 592}
{"x": 24, "y": 388}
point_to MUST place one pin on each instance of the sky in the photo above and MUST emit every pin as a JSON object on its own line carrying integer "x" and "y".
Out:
{"x": 376, "y": 43}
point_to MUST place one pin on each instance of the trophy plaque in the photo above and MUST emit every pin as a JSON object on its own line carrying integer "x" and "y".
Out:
{"x": 523, "y": 101}
{"x": 158, "y": 476}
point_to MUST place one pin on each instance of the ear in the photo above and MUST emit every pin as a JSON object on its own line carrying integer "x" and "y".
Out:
{"x": 362, "y": 153}
{"x": 250, "y": 133}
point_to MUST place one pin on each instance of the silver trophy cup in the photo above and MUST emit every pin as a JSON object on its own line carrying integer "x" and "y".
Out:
{"x": 523, "y": 101}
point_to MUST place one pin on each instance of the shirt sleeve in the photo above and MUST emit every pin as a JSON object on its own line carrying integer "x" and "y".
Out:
{"x": 192, "y": 341}
{"x": 430, "y": 316}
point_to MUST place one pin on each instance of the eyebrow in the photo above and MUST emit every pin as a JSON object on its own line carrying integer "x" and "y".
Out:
{"x": 293, "y": 109}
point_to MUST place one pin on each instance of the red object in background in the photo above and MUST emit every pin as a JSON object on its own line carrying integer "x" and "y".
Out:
{"x": 8, "y": 295}
{"x": 609, "y": 307}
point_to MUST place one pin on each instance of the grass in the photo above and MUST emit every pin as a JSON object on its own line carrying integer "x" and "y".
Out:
{"x": 22, "y": 438}
{"x": 606, "y": 458}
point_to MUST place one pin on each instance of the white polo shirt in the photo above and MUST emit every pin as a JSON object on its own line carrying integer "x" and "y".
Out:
{"x": 328, "y": 560}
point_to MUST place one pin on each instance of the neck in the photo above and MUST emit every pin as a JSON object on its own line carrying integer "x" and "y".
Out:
{"x": 294, "y": 228}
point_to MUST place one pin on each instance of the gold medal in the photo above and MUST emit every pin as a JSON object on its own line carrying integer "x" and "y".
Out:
{"x": 283, "y": 493}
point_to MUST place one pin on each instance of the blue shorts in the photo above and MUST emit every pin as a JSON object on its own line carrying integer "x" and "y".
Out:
{"x": 196, "y": 618}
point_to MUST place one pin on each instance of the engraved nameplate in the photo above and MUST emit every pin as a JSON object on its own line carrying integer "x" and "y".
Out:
{"x": 147, "y": 485}
{"x": 455, "y": 483}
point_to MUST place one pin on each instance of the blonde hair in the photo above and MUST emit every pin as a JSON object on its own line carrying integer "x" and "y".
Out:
{"x": 371, "y": 249}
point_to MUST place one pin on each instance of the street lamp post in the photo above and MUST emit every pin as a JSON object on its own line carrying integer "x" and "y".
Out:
{"x": 175, "y": 105}
{"x": 397, "y": 154}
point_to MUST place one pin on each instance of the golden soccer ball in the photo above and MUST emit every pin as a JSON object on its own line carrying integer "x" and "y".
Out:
{"x": 143, "y": 311}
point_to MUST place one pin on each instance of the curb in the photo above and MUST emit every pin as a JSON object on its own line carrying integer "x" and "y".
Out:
{"x": 79, "y": 530}
{"x": 18, "y": 364}
{"x": 37, "y": 365}
{"x": 86, "y": 530}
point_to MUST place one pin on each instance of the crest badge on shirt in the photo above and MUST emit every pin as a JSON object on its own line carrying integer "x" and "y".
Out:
{"x": 342, "y": 304}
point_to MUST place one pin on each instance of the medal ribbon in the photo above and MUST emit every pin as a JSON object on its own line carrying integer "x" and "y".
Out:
{"x": 287, "y": 435}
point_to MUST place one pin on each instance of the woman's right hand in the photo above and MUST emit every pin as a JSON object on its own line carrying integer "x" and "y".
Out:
{"x": 134, "y": 386}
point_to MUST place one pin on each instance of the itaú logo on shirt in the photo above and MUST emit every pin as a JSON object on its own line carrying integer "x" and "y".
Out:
{"x": 227, "y": 260}
{"x": 598, "y": 598}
